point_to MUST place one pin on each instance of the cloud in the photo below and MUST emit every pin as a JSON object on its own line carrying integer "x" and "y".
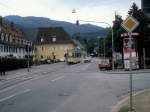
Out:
{"x": 102, "y": 10}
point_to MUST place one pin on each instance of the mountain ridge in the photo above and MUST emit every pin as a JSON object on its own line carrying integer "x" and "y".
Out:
{"x": 31, "y": 22}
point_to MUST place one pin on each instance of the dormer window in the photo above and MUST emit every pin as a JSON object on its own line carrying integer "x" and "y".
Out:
{"x": 42, "y": 40}
{"x": 53, "y": 38}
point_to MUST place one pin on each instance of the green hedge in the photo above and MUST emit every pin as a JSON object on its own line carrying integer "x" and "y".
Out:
{"x": 13, "y": 63}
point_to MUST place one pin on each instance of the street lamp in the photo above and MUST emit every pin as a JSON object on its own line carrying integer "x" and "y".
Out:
{"x": 27, "y": 51}
{"x": 28, "y": 59}
{"x": 112, "y": 33}
{"x": 104, "y": 48}
{"x": 98, "y": 46}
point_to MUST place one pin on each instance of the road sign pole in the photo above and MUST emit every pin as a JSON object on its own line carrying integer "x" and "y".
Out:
{"x": 129, "y": 25}
{"x": 144, "y": 58}
{"x": 130, "y": 70}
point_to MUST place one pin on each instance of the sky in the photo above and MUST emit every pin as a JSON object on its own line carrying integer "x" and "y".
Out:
{"x": 89, "y": 10}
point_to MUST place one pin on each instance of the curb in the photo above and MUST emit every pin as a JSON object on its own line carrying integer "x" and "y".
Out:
{"x": 123, "y": 102}
{"x": 134, "y": 72}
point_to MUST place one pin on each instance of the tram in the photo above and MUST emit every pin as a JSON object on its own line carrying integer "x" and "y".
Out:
{"x": 75, "y": 56}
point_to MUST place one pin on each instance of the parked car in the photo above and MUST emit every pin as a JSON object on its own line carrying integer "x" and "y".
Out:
{"x": 62, "y": 59}
{"x": 105, "y": 64}
{"x": 87, "y": 60}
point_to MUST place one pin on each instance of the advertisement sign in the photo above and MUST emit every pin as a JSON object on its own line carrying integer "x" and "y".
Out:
{"x": 126, "y": 50}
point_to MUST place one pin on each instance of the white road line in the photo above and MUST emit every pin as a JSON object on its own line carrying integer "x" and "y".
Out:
{"x": 14, "y": 95}
{"x": 14, "y": 86}
{"x": 58, "y": 78}
{"x": 85, "y": 67}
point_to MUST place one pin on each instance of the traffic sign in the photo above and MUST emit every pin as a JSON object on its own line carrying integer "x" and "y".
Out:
{"x": 130, "y": 24}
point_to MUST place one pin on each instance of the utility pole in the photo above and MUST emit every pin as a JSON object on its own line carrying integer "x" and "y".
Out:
{"x": 144, "y": 58}
{"x": 98, "y": 46}
{"x": 28, "y": 63}
{"x": 104, "y": 48}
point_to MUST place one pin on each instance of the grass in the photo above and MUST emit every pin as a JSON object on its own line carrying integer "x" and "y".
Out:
{"x": 124, "y": 109}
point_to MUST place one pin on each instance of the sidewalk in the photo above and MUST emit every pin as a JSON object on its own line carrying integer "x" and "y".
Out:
{"x": 16, "y": 73}
{"x": 122, "y": 71}
{"x": 141, "y": 103}
{"x": 40, "y": 69}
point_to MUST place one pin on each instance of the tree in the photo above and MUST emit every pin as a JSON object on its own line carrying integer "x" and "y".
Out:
{"x": 133, "y": 10}
{"x": 117, "y": 28}
{"x": 143, "y": 30}
{"x": 118, "y": 43}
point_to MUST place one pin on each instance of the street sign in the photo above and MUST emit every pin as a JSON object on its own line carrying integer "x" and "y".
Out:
{"x": 130, "y": 24}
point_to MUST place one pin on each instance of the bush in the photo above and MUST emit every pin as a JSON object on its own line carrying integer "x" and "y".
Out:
{"x": 124, "y": 109}
{"x": 14, "y": 63}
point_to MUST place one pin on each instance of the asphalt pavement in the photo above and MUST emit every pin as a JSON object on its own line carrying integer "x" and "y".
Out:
{"x": 66, "y": 88}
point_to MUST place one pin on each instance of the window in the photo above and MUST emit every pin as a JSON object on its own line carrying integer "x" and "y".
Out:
{"x": 2, "y": 36}
{"x": 42, "y": 48}
{"x": 23, "y": 51}
{"x": 6, "y": 37}
{"x": 10, "y": 38}
{"x": 19, "y": 50}
{"x": 7, "y": 48}
{"x": 21, "y": 41}
{"x": 10, "y": 49}
{"x": 13, "y": 40}
{"x": 53, "y": 48}
{"x": 18, "y": 41}
{"x": 2, "y": 48}
{"x": 15, "y": 50}
{"x": 54, "y": 39}
{"x": 42, "y": 39}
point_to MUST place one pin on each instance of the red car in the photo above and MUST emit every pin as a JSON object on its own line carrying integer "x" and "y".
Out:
{"x": 105, "y": 64}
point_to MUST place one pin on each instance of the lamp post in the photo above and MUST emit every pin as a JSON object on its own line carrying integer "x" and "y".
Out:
{"x": 112, "y": 39}
{"x": 98, "y": 46}
{"x": 28, "y": 58}
{"x": 104, "y": 49}
{"x": 27, "y": 54}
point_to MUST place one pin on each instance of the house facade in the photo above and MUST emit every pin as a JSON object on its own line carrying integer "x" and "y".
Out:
{"x": 13, "y": 43}
{"x": 52, "y": 43}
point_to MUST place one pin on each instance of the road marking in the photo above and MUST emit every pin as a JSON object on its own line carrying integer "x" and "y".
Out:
{"x": 19, "y": 84}
{"x": 85, "y": 67}
{"x": 58, "y": 78}
{"x": 14, "y": 95}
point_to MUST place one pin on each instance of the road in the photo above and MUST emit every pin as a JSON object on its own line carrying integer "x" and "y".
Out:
{"x": 62, "y": 88}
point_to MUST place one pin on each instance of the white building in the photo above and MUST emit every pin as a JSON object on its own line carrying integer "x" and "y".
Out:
{"x": 13, "y": 42}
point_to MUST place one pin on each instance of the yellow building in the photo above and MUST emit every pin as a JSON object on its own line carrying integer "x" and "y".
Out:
{"x": 52, "y": 43}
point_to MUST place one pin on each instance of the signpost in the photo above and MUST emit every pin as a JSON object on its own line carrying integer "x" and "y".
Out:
{"x": 129, "y": 25}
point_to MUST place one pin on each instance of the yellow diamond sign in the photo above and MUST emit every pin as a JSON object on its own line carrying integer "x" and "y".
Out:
{"x": 130, "y": 24}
